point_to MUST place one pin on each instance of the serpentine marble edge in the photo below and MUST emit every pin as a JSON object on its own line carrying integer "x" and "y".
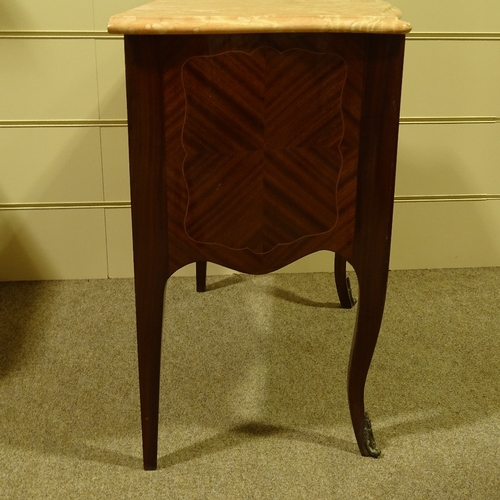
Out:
{"x": 162, "y": 17}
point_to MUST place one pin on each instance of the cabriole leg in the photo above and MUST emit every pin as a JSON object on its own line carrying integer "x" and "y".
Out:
{"x": 372, "y": 290}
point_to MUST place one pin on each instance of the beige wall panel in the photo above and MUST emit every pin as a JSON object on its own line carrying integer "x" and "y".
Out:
{"x": 52, "y": 244}
{"x": 212, "y": 270}
{"x": 451, "y": 78}
{"x": 315, "y": 263}
{"x": 69, "y": 244}
{"x": 50, "y": 165}
{"x": 446, "y": 234}
{"x": 103, "y": 10}
{"x": 115, "y": 163}
{"x": 432, "y": 15}
{"x": 449, "y": 159}
{"x": 119, "y": 243}
{"x": 48, "y": 79}
{"x": 46, "y": 15}
{"x": 111, "y": 79}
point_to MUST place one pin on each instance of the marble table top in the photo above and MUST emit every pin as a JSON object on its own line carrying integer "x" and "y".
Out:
{"x": 259, "y": 16}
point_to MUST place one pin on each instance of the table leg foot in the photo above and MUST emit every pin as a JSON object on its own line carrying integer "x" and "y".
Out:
{"x": 343, "y": 284}
{"x": 372, "y": 289}
{"x": 370, "y": 448}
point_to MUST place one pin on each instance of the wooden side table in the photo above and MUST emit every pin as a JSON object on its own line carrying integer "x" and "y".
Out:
{"x": 261, "y": 131}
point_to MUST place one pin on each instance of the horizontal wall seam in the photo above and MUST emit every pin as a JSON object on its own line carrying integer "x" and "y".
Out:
{"x": 99, "y": 35}
{"x": 466, "y": 36}
{"x": 76, "y": 205}
{"x": 63, "y": 123}
{"x": 446, "y": 198}
{"x": 60, "y": 34}
{"x": 70, "y": 205}
{"x": 407, "y": 120}
{"x": 464, "y": 120}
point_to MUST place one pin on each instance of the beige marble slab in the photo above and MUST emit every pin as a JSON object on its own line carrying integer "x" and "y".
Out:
{"x": 259, "y": 16}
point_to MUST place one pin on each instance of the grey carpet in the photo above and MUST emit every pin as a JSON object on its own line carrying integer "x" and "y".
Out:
{"x": 253, "y": 390}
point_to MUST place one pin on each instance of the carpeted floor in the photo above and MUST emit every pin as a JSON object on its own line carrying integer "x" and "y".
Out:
{"x": 253, "y": 390}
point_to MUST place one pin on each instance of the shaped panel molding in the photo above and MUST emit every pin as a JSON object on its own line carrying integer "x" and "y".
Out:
{"x": 263, "y": 151}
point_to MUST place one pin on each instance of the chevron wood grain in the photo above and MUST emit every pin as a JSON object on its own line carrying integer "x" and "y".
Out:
{"x": 261, "y": 137}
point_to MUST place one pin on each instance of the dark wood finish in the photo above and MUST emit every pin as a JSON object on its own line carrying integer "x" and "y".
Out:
{"x": 255, "y": 146}
{"x": 347, "y": 301}
{"x": 201, "y": 276}
{"x": 374, "y": 208}
{"x": 252, "y": 151}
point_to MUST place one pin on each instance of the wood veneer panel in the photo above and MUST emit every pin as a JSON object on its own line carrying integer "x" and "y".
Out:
{"x": 262, "y": 151}
{"x": 260, "y": 163}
